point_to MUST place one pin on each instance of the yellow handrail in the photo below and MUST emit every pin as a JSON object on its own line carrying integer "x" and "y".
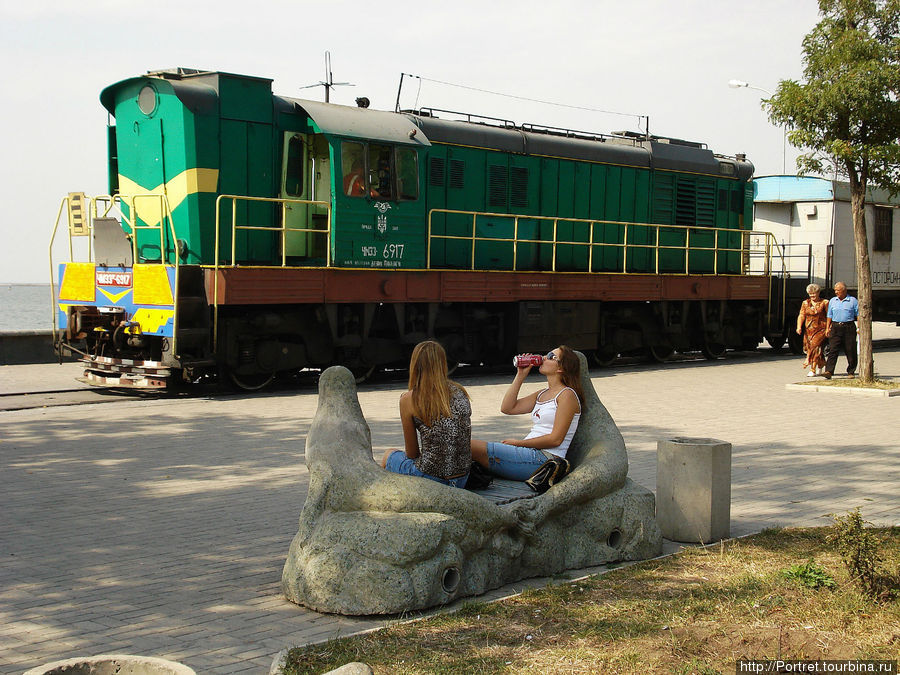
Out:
{"x": 283, "y": 229}
{"x": 626, "y": 244}
{"x": 115, "y": 201}
{"x": 770, "y": 245}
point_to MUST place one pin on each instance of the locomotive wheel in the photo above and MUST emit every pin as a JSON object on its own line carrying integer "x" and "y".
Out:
{"x": 713, "y": 350}
{"x": 604, "y": 357}
{"x": 660, "y": 353}
{"x": 795, "y": 342}
{"x": 253, "y": 382}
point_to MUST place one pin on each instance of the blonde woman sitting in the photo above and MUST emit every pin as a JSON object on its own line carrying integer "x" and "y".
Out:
{"x": 436, "y": 417}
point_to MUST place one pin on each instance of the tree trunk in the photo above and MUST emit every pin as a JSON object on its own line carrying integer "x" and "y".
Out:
{"x": 863, "y": 278}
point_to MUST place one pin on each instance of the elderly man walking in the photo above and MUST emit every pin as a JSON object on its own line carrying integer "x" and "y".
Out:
{"x": 841, "y": 329}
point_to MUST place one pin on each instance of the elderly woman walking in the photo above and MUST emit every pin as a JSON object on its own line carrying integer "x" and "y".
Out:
{"x": 811, "y": 324}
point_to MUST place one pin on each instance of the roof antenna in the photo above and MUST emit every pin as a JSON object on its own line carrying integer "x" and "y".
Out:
{"x": 329, "y": 80}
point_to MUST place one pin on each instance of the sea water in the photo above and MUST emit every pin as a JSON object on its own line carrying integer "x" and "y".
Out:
{"x": 25, "y": 307}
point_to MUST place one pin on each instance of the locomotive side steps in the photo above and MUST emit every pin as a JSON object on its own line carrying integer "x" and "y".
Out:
{"x": 192, "y": 318}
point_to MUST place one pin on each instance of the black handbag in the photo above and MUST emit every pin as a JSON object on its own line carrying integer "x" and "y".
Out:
{"x": 548, "y": 474}
{"x": 479, "y": 477}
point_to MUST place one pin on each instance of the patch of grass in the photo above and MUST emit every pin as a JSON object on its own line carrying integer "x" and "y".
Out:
{"x": 861, "y": 551}
{"x": 696, "y": 612}
{"x": 696, "y": 667}
{"x": 810, "y": 575}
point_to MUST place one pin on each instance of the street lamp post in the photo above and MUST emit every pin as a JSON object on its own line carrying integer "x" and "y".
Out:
{"x": 739, "y": 84}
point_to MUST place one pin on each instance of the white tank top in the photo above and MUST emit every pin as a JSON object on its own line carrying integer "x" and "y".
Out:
{"x": 543, "y": 415}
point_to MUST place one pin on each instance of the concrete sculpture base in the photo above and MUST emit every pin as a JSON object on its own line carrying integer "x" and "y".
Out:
{"x": 112, "y": 664}
{"x": 374, "y": 542}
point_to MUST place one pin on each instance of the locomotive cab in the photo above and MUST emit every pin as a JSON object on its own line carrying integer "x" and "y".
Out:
{"x": 370, "y": 161}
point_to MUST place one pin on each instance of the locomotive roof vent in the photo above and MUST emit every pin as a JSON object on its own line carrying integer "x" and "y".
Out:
{"x": 568, "y": 133}
{"x": 622, "y": 137}
{"x": 177, "y": 73}
{"x": 464, "y": 117}
{"x": 661, "y": 139}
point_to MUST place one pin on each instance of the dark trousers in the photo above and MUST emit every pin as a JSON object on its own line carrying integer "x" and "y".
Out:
{"x": 843, "y": 336}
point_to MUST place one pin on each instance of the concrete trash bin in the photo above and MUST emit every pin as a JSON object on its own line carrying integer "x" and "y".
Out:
{"x": 112, "y": 664}
{"x": 693, "y": 489}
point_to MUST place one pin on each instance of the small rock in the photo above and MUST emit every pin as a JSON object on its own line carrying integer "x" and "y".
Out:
{"x": 278, "y": 663}
{"x": 355, "y": 668}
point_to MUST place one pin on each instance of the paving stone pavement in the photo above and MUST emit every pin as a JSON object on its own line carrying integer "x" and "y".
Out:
{"x": 159, "y": 527}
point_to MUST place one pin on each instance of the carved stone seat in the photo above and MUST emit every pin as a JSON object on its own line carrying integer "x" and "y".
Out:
{"x": 502, "y": 491}
{"x": 375, "y": 542}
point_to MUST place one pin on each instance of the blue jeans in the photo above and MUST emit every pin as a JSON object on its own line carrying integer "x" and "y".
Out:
{"x": 512, "y": 462}
{"x": 398, "y": 462}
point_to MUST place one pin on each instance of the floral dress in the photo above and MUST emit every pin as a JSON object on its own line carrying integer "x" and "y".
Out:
{"x": 813, "y": 320}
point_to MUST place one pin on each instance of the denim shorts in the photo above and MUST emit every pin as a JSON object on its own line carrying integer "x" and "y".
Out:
{"x": 512, "y": 462}
{"x": 398, "y": 462}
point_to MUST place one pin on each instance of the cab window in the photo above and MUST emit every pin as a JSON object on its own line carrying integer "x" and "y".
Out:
{"x": 353, "y": 168}
{"x": 293, "y": 178}
{"x": 407, "y": 173}
{"x": 381, "y": 171}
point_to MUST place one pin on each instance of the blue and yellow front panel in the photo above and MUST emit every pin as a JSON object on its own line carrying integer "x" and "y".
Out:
{"x": 143, "y": 291}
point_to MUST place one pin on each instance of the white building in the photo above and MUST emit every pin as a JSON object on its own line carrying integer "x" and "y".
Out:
{"x": 811, "y": 218}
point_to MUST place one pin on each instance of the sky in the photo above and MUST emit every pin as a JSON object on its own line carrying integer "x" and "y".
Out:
{"x": 669, "y": 60}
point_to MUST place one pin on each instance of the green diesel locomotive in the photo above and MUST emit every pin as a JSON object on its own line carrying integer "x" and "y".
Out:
{"x": 250, "y": 234}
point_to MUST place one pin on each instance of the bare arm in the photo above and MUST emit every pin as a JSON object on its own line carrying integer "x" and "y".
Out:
{"x": 410, "y": 437}
{"x": 512, "y": 404}
{"x": 566, "y": 407}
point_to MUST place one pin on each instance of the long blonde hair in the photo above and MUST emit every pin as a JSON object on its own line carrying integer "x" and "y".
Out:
{"x": 428, "y": 383}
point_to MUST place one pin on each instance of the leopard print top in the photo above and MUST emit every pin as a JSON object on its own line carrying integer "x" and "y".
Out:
{"x": 444, "y": 447}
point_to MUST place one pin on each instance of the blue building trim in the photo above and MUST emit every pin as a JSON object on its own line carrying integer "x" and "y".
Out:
{"x": 792, "y": 189}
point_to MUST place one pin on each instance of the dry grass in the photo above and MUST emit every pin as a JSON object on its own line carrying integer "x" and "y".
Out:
{"x": 697, "y": 612}
{"x": 878, "y": 383}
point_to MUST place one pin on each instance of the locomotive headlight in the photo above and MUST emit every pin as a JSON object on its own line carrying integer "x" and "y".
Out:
{"x": 147, "y": 100}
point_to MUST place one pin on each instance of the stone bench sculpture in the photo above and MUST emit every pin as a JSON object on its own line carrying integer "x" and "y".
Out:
{"x": 374, "y": 542}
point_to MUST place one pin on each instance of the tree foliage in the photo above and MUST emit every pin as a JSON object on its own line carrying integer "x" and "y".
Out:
{"x": 847, "y": 112}
{"x": 847, "y": 115}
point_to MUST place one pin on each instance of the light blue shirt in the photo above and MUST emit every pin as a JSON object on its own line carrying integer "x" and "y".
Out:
{"x": 843, "y": 310}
